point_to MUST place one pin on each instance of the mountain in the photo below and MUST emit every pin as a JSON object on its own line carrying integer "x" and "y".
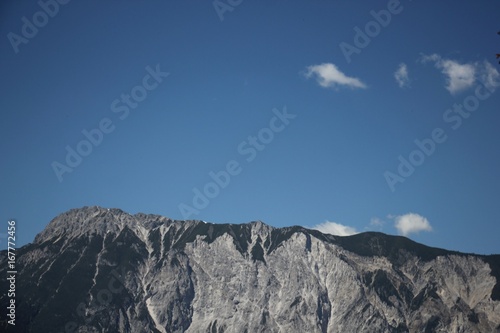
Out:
{"x": 102, "y": 270}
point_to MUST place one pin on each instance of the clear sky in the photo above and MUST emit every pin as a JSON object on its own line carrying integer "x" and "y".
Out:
{"x": 290, "y": 112}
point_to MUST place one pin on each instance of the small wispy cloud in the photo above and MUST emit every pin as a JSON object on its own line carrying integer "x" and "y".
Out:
{"x": 460, "y": 77}
{"x": 376, "y": 222}
{"x": 329, "y": 76}
{"x": 411, "y": 224}
{"x": 402, "y": 77}
{"x": 335, "y": 229}
{"x": 489, "y": 75}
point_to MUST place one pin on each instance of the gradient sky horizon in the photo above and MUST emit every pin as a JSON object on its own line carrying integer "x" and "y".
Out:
{"x": 308, "y": 107}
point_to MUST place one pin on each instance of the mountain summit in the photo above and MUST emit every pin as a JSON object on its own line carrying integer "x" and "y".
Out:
{"x": 102, "y": 270}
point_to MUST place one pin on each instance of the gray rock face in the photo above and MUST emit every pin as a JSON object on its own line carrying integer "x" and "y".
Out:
{"x": 100, "y": 270}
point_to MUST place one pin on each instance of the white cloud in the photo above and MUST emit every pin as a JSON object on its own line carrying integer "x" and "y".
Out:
{"x": 488, "y": 75}
{"x": 376, "y": 222}
{"x": 411, "y": 223}
{"x": 328, "y": 75}
{"x": 335, "y": 229}
{"x": 401, "y": 76}
{"x": 460, "y": 77}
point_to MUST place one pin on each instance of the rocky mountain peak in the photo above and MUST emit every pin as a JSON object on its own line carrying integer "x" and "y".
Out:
{"x": 96, "y": 220}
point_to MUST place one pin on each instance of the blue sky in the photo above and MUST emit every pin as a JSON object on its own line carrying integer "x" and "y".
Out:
{"x": 303, "y": 112}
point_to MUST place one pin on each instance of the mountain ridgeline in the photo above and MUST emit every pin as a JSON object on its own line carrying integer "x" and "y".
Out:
{"x": 102, "y": 270}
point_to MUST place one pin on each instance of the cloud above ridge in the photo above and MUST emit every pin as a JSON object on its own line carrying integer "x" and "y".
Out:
{"x": 411, "y": 224}
{"x": 336, "y": 229}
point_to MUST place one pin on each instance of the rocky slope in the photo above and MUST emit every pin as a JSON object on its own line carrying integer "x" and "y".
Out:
{"x": 103, "y": 270}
